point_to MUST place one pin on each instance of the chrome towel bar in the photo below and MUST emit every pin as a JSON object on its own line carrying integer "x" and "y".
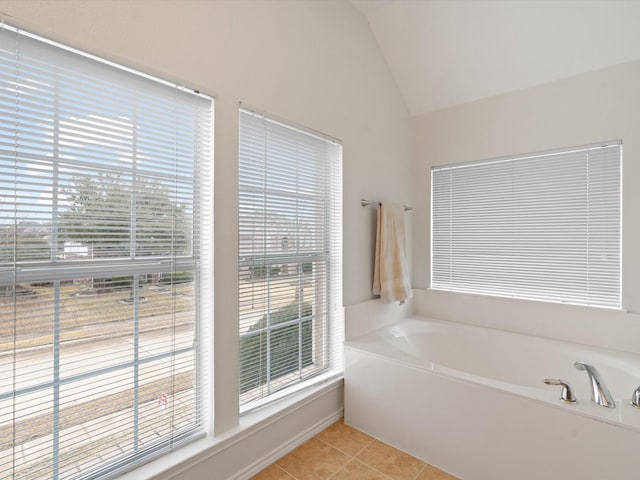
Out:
{"x": 368, "y": 203}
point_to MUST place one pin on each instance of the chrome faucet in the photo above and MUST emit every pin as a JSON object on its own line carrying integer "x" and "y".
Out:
{"x": 599, "y": 391}
{"x": 635, "y": 398}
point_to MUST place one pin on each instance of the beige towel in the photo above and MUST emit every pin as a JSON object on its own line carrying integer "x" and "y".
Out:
{"x": 391, "y": 272}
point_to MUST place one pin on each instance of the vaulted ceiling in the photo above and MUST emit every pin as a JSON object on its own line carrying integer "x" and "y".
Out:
{"x": 448, "y": 52}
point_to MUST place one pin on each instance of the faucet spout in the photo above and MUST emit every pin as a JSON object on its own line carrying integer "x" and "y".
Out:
{"x": 599, "y": 391}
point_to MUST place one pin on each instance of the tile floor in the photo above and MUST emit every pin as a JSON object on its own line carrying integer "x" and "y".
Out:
{"x": 341, "y": 452}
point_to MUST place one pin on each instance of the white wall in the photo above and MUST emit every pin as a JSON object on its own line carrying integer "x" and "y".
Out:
{"x": 601, "y": 105}
{"x": 315, "y": 63}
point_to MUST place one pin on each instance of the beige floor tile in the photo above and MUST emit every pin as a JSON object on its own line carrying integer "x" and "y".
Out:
{"x": 432, "y": 473}
{"x": 345, "y": 438}
{"x": 394, "y": 463}
{"x": 313, "y": 460}
{"x": 355, "y": 470}
{"x": 273, "y": 472}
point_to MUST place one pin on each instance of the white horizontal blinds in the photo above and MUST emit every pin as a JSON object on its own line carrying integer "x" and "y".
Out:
{"x": 543, "y": 227}
{"x": 104, "y": 185}
{"x": 290, "y": 253}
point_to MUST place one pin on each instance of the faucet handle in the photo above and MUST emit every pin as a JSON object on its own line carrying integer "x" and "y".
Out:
{"x": 566, "y": 395}
{"x": 635, "y": 398}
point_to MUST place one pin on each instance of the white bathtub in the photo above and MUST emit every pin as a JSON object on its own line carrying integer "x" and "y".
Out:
{"x": 472, "y": 401}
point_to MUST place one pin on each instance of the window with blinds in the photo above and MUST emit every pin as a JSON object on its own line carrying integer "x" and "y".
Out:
{"x": 104, "y": 244}
{"x": 290, "y": 201}
{"x": 540, "y": 226}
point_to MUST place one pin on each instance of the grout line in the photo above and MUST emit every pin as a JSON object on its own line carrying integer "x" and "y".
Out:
{"x": 359, "y": 431}
{"x": 424, "y": 464}
{"x": 353, "y": 459}
{"x": 365, "y": 447}
{"x": 421, "y": 470}
{"x": 351, "y": 456}
{"x": 340, "y": 469}
{"x": 285, "y": 470}
{"x": 291, "y": 475}
{"x": 384, "y": 475}
{"x": 332, "y": 446}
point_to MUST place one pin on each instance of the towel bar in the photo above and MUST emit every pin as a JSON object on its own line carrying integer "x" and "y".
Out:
{"x": 367, "y": 203}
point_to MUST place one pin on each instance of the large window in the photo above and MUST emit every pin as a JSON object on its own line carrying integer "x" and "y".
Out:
{"x": 290, "y": 257}
{"x": 540, "y": 226}
{"x": 104, "y": 177}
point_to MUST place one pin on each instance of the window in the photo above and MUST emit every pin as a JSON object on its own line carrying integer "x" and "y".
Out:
{"x": 290, "y": 257}
{"x": 540, "y": 226}
{"x": 104, "y": 178}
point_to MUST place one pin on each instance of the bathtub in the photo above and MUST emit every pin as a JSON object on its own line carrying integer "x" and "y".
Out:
{"x": 472, "y": 401}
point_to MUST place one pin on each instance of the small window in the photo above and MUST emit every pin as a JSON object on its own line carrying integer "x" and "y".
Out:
{"x": 542, "y": 226}
{"x": 290, "y": 258}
